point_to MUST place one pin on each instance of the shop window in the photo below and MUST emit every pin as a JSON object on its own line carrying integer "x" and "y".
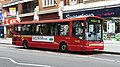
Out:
{"x": 117, "y": 27}
{"x": 105, "y": 26}
{"x": 1, "y": 32}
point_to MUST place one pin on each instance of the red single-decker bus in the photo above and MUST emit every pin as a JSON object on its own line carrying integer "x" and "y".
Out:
{"x": 75, "y": 34}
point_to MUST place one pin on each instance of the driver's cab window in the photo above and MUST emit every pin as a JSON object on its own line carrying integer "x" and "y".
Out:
{"x": 78, "y": 27}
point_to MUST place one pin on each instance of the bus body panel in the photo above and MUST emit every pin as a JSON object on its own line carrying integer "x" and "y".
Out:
{"x": 16, "y": 40}
{"x": 74, "y": 44}
{"x": 86, "y": 46}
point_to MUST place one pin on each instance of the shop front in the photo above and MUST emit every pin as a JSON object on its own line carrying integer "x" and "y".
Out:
{"x": 8, "y": 22}
{"x": 1, "y": 26}
{"x": 110, "y": 14}
{"x": 1, "y": 31}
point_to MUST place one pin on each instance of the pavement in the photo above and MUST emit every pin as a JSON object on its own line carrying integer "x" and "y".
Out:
{"x": 5, "y": 40}
{"x": 112, "y": 46}
{"x": 109, "y": 45}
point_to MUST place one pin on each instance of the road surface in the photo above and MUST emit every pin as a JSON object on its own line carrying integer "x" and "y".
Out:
{"x": 15, "y": 56}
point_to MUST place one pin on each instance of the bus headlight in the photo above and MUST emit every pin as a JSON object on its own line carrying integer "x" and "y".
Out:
{"x": 90, "y": 45}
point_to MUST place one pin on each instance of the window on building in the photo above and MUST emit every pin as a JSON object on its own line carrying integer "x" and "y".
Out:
{"x": 73, "y": 2}
{"x": 25, "y": 8}
{"x": 90, "y": 1}
{"x": 79, "y": 1}
{"x": 47, "y": 3}
{"x": 34, "y": 4}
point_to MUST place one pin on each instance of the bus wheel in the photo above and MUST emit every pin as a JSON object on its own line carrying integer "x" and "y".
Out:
{"x": 25, "y": 44}
{"x": 63, "y": 47}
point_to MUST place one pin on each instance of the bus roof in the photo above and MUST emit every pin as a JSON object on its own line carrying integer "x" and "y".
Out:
{"x": 58, "y": 20}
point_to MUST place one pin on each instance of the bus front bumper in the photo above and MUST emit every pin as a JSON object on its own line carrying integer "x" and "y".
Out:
{"x": 92, "y": 48}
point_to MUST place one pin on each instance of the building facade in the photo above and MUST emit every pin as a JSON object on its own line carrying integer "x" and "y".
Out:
{"x": 1, "y": 21}
{"x": 27, "y": 10}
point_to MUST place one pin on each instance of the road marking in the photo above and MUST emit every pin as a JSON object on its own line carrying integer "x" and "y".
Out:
{"x": 64, "y": 54}
{"x": 38, "y": 51}
{"x": 2, "y": 47}
{"x": 118, "y": 61}
{"x": 23, "y": 50}
{"x": 54, "y": 53}
{"x": 111, "y": 55}
{"x": 88, "y": 56}
{"x": 82, "y": 56}
{"x": 103, "y": 59}
{"x": 13, "y": 61}
{"x": 7, "y": 45}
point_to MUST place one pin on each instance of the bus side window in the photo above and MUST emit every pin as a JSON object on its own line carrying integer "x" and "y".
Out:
{"x": 37, "y": 29}
{"x": 24, "y": 31}
{"x": 47, "y": 29}
{"x": 28, "y": 30}
{"x": 41, "y": 29}
{"x": 78, "y": 29}
{"x": 33, "y": 29}
{"x": 55, "y": 29}
{"x": 52, "y": 30}
{"x": 64, "y": 28}
{"x": 17, "y": 29}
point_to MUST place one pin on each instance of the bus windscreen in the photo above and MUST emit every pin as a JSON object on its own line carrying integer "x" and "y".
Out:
{"x": 94, "y": 29}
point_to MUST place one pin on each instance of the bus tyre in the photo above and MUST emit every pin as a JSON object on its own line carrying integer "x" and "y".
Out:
{"x": 25, "y": 44}
{"x": 63, "y": 47}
